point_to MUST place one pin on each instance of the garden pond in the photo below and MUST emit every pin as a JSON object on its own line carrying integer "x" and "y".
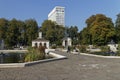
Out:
{"x": 14, "y": 57}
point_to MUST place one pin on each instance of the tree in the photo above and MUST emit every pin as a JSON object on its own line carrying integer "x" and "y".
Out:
{"x": 16, "y": 33}
{"x": 22, "y": 33}
{"x": 52, "y": 32}
{"x": 117, "y": 28}
{"x": 73, "y": 34}
{"x": 90, "y": 20}
{"x": 100, "y": 29}
{"x": 31, "y": 30}
{"x": 3, "y": 28}
{"x": 47, "y": 25}
{"x": 84, "y": 36}
{"x": 12, "y": 33}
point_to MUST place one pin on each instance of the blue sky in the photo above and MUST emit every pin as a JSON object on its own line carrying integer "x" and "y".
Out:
{"x": 77, "y": 11}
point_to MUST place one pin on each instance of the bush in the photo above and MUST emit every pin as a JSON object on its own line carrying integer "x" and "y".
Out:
{"x": 101, "y": 53}
{"x": 105, "y": 49}
{"x": 82, "y": 48}
{"x": 35, "y": 54}
{"x": 54, "y": 47}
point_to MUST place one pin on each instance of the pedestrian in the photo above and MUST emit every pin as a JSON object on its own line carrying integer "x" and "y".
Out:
{"x": 68, "y": 50}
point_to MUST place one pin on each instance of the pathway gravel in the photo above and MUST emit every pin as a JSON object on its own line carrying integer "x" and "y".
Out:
{"x": 76, "y": 67}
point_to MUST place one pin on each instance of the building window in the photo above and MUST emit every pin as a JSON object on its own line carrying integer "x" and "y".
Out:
{"x": 35, "y": 44}
{"x": 45, "y": 45}
{"x": 66, "y": 43}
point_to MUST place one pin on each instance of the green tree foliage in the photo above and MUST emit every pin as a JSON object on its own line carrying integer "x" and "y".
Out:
{"x": 52, "y": 32}
{"x": 22, "y": 33}
{"x": 15, "y": 32}
{"x": 90, "y": 20}
{"x": 72, "y": 32}
{"x": 31, "y": 30}
{"x": 82, "y": 48}
{"x": 105, "y": 48}
{"x": 100, "y": 29}
{"x": 12, "y": 33}
{"x": 85, "y": 37}
{"x": 117, "y": 28}
{"x": 3, "y": 28}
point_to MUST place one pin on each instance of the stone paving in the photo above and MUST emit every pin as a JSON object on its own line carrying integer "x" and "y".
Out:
{"x": 76, "y": 67}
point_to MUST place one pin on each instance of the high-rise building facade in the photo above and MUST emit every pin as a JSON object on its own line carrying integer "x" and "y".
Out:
{"x": 57, "y": 15}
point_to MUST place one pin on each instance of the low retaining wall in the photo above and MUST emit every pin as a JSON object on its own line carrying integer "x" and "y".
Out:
{"x": 12, "y": 65}
{"x": 9, "y": 51}
{"x": 52, "y": 54}
{"x": 100, "y": 55}
{"x": 49, "y": 50}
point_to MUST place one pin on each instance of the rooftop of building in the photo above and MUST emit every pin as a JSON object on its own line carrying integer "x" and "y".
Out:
{"x": 51, "y": 12}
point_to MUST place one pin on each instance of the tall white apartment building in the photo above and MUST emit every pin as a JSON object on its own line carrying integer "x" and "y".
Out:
{"x": 57, "y": 15}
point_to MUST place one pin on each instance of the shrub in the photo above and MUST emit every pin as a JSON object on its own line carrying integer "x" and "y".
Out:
{"x": 105, "y": 48}
{"x": 35, "y": 54}
{"x": 54, "y": 47}
{"x": 41, "y": 49}
{"x": 101, "y": 53}
{"x": 72, "y": 48}
{"x": 82, "y": 48}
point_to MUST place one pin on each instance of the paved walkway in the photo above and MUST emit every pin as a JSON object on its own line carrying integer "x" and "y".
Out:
{"x": 76, "y": 67}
